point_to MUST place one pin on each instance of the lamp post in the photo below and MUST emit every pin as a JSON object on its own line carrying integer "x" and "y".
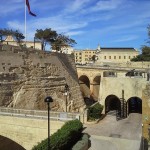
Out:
{"x": 66, "y": 93}
{"x": 48, "y": 100}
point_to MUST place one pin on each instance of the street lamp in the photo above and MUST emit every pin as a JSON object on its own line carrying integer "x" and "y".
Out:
{"x": 66, "y": 89}
{"x": 48, "y": 100}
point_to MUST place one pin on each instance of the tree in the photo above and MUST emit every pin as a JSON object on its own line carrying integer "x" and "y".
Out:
{"x": 15, "y": 33}
{"x": 51, "y": 37}
{"x": 45, "y": 36}
{"x": 94, "y": 58}
{"x": 148, "y": 28}
{"x": 145, "y": 56}
{"x": 62, "y": 41}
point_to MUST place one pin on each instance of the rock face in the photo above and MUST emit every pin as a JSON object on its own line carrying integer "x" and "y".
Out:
{"x": 27, "y": 76}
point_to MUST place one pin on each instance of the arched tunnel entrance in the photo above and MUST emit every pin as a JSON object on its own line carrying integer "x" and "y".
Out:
{"x": 85, "y": 86}
{"x": 96, "y": 87}
{"x": 85, "y": 89}
{"x": 112, "y": 102}
{"x": 134, "y": 105}
{"x": 8, "y": 144}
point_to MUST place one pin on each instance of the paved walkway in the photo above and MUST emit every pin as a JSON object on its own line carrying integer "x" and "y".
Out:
{"x": 110, "y": 134}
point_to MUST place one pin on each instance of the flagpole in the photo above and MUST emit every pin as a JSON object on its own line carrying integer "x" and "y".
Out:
{"x": 25, "y": 22}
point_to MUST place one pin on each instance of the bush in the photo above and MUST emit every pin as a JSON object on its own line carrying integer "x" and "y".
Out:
{"x": 64, "y": 138}
{"x": 95, "y": 111}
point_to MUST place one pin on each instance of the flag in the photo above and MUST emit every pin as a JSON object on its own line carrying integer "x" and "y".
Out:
{"x": 28, "y": 5}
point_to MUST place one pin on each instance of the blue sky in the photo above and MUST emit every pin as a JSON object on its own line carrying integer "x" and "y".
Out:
{"x": 111, "y": 23}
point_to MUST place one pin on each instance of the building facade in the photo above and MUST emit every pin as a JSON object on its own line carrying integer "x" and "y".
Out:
{"x": 10, "y": 40}
{"x": 104, "y": 54}
{"x": 84, "y": 56}
{"x": 116, "y": 54}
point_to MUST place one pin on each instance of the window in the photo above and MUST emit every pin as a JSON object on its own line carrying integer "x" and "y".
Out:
{"x": 114, "y": 57}
{"x": 119, "y": 57}
{"x": 79, "y": 53}
{"x": 104, "y": 57}
{"x": 124, "y": 57}
{"x": 129, "y": 57}
{"x": 109, "y": 57}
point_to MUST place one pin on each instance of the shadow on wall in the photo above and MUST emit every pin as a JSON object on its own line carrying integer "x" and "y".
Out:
{"x": 8, "y": 144}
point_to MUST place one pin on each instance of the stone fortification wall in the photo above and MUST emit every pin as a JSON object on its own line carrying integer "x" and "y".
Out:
{"x": 146, "y": 112}
{"x": 27, "y": 76}
{"x": 113, "y": 86}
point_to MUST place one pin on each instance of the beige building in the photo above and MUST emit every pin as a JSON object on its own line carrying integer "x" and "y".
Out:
{"x": 64, "y": 49}
{"x": 104, "y": 54}
{"x": 116, "y": 54}
{"x": 10, "y": 40}
{"x": 84, "y": 56}
{"x": 67, "y": 49}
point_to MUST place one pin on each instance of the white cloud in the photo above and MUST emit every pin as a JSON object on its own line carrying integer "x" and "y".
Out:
{"x": 71, "y": 33}
{"x": 77, "y": 5}
{"x": 7, "y": 8}
{"x": 106, "y": 5}
{"x": 55, "y": 23}
{"x": 127, "y": 38}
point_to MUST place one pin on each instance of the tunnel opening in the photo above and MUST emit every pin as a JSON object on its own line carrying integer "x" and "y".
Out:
{"x": 134, "y": 105}
{"x": 112, "y": 103}
{"x": 85, "y": 90}
{"x": 8, "y": 144}
{"x": 85, "y": 86}
{"x": 96, "y": 88}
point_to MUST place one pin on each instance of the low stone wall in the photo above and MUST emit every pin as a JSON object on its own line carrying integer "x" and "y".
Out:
{"x": 27, "y": 132}
{"x": 82, "y": 144}
{"x": 140, "y": 65}
{"x": 37, "y": 114}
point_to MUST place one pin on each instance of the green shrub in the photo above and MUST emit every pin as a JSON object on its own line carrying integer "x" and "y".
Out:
{"x": 95, "y": 111}
{"x": 64, "y": 138}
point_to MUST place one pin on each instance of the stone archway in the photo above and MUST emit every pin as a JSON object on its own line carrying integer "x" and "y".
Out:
{"x": 134, "y": 105}
{"x": 7, "y": 144}
{"x": 85, "y": 85}
{"x": 96, "y": 87}
{"x": 112, "y": 102}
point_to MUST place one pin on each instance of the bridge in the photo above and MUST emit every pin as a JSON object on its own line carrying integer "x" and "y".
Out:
{"x": 117, "y": 88}
{"x": 22, "y": 129}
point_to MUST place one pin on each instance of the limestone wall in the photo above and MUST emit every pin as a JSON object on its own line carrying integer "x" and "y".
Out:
{"x": 27, "y": 132}
{"x": 113, "y": 86}
{"x": 27, "y": 76}
{"x": 146, "y": 111}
